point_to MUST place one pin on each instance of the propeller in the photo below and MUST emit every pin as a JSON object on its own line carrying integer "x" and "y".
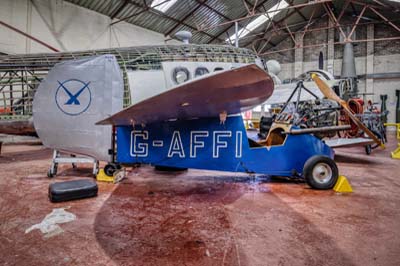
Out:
{"x": 330, "y": 94}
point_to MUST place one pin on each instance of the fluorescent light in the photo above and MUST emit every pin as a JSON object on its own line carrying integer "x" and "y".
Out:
{"x": 162, "y": 5}
{"x": 259, "y": 21}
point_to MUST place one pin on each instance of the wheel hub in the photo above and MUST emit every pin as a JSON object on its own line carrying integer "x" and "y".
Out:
{"x": 322, "y": 173}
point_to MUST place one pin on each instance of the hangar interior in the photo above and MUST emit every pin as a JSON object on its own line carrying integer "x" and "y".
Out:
{"x": 309, "y": 185}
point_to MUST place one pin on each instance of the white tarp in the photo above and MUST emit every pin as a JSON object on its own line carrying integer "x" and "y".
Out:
{"x": 72, "y": 98}
{"x": 49, "y": 225}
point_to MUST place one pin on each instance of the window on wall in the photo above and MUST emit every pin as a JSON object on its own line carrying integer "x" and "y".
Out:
{"x": 257, "y": 22}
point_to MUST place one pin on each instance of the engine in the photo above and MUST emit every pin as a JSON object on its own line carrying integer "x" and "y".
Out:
{"x": 316, "y": 114}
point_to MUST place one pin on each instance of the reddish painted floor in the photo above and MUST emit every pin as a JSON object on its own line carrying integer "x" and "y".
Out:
{"x": 202, "y": 217}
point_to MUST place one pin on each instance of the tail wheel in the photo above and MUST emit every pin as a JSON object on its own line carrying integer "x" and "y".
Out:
{"x": 110, "y": 169}
{"x": 320, "y": 172}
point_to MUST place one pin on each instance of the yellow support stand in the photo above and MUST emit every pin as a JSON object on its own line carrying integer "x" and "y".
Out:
{"x": 101, "y": 176}
{"x": 396, "y": 152}
{"x": 343, "y": 185}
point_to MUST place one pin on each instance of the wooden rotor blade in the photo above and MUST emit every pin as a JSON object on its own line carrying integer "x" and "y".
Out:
{"x": 330, "y": 94}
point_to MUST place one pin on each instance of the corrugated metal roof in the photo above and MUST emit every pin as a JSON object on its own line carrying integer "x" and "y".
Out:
{"x": 192, "y": 14}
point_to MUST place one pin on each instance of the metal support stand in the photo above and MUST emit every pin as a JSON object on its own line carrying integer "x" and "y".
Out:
{"x": 384, "y": 98}
{"x": 73, "y": 160}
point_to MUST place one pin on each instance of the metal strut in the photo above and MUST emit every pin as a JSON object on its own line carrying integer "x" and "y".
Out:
{"x": 72, "y": 159}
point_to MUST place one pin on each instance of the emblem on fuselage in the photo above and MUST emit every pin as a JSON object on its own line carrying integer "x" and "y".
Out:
{"x": 73, "y": 96}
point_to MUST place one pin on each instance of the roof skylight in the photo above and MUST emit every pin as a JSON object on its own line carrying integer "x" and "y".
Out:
{"x": 162, "y": 5}
{"x": 259, "y": 20}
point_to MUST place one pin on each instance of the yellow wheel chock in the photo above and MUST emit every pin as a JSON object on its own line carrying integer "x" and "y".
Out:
{"x": 343, "y": 185}
{"x": 101, "y": 176}
{"x": 115, "y": 178}
{"x": 396, "y": 152}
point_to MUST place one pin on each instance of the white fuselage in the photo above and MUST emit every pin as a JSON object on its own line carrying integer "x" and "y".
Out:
{"x": 148, "y": 83}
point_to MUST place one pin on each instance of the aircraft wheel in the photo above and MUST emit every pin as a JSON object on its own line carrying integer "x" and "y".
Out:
{"x": 110, "y": 169}
{"x": 320, "y": 172}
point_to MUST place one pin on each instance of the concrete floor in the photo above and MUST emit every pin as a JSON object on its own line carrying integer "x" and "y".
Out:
{"x": 202, "y": 217}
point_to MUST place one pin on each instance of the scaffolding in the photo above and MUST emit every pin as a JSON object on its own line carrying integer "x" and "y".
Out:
{"x": 20, "y": 75}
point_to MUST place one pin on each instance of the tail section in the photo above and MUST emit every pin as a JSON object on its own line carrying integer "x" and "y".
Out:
{"x": 72, "y": 98}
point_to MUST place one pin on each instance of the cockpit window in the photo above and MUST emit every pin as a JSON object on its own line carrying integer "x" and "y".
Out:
{"x": 180, "y": 75}
{"x": 200, "y": 71}
{"x": 218, "y": 69}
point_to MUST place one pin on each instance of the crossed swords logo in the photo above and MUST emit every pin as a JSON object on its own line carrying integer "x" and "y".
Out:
{"x": 73, "y": 97}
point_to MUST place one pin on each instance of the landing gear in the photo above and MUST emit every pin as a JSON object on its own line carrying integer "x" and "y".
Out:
{"x": 52, "y": 170}
{"x": 58, "y": 158}
{"x": 320, "y": 172}
{"x": 111, "y": 168}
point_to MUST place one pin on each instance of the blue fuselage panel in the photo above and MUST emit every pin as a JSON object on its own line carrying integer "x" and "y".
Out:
{"x": 207, "y": 144}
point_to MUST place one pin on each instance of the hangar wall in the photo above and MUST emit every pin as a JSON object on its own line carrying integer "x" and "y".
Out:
{"x": 370, "y": 57}
{"x": 66, "y": 27}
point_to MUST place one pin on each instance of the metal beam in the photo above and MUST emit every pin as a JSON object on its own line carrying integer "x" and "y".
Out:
{"x": 384, "y": 18}
{"x": 334, "y": 20}
{"x": 160, "y": 14}
{"x": 356, "y": 24}
{"x": 335, "y": 43}
{"x": 215, "y": 11}
{"x": 186, "y": 17}
{"x": 298, "y": 11}
{"x": 119, "y": 9}
{"x": 144, "y": 9}
{"x": 294, "y": 7}
{"x": 303, "y": 31}
{"x": 320, "y": 28}
{"x": 265, "y": 33}
{"x": 226, "y": 29}
{"x": 275, "y": 30}
{"x": 29, "y": 36}
{"x": 263, "y": 13}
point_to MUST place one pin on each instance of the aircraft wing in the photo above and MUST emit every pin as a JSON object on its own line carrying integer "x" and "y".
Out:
{"x": 17, "y": 127}
{"x": 342, "y": 142}
{"x": 232, "y": 91}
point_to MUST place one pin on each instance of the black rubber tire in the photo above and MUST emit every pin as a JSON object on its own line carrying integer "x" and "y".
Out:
{"x": 368, "y": 149}
{"x": 110, "y": 169}
{"x": 379, "y": 136}
{"x": 312, "y": 163}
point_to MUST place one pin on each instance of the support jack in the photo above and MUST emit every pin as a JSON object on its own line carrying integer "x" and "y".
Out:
{"x": 73, "y": 160}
